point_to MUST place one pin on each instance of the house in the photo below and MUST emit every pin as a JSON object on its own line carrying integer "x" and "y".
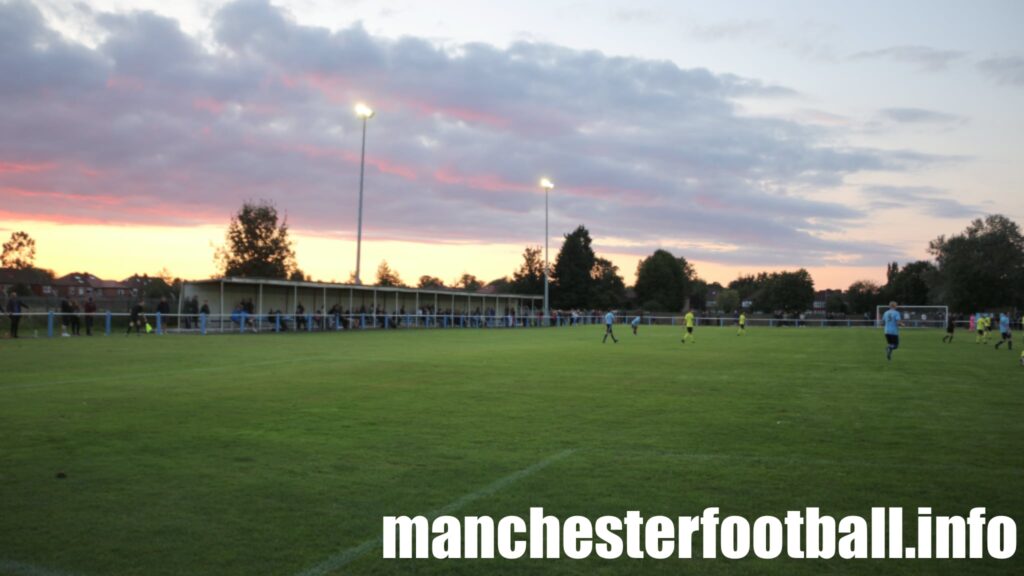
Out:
{"x": 82, "y": 284}
{"x": 39, "y": 282}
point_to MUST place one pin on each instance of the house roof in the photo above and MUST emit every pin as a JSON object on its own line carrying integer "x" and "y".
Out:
{"x": 88, "y": 280}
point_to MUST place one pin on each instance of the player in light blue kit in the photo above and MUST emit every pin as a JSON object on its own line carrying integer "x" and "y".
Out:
{"x": 892, "y": 321}
{"x": 609, "y": 320}
{"x": 1004, "y": 329}
{"x": 635, "y": 324}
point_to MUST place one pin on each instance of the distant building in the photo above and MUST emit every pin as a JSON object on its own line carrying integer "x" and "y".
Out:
{"x": 39, "y": 282}
{"x": 83, "y": 284}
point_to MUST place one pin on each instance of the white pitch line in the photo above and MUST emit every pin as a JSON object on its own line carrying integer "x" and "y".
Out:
{"x": 348, "y": 555}
{"x": 24, "y": 569}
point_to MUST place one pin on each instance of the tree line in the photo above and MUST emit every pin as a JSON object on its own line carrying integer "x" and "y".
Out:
{"x": 979, "y": 268}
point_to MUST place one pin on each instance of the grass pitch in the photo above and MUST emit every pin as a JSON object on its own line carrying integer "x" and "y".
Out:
{"x": 273, "y": 454}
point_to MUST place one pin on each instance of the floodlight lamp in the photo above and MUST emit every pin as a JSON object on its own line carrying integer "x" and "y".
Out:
{"x": 363, "y": 111}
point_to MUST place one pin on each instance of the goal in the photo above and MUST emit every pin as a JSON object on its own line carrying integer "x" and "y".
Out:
{"x": 917, "y": 316}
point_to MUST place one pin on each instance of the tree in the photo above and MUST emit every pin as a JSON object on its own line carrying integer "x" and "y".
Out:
{"x": 664, "y": 282}
{"x": 298, "y": 275}
{"x": 911, "y": 284}
{"x": 791, "y": 292}
{"x": 609, "y": 290}
{"x": 257, "y": 245}
{"x": 573, "y": 281}
{"x": 386, "y": 276}
{"x": 430, "y": 282}
{"x": 835, "y": 304}
{"x": 501, "y": 285}
{"x": 863, "y": 296}
{"x": 983, "y": 267}
{"x": 728, "y": 300}
{"x": 19, "y": 252}
{"x": 529, "y": 278}
{"x": 749, "y": 287}
{"x": 469, "y": 283}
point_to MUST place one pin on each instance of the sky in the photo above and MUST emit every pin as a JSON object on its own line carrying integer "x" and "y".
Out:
{"x": 745, "y": 136}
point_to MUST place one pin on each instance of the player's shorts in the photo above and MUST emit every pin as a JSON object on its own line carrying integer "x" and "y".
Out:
{"x": 950, "y": 328}
{"x": 689, "y": 329}
{"x": 893, "y": 339}
{"x": 1007, "y": 336}
{"x": 608, "y": 327}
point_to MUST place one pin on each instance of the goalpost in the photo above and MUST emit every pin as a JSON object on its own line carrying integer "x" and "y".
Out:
{"x": 917, "y": 316}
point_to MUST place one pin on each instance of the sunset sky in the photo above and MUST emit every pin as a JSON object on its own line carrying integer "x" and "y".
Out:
{"x": 745, "y": 136}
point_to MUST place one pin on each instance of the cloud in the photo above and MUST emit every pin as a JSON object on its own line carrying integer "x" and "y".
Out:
{"x": 920, "y": 116}
{"x": 929, "y": 200}
{"x": 923, "y": 57}
{"x": 730, "y": 29}
{"x": 1007, "y": 70}
{"x": 153, "y": 126}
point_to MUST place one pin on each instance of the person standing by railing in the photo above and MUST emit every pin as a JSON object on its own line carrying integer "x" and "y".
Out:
{"x": 90, "y": 312}
{"x": 135, "y": 318}
{"x": 14, "y": 309}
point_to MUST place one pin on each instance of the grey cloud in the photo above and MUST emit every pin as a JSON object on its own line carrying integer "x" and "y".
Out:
{"x": 153, "y": 127}
{"x": 1004, "y": 69}
{"x": 920, "y": 116}
{"x": 924, "y": 57}
{"x": 927, "y": 199}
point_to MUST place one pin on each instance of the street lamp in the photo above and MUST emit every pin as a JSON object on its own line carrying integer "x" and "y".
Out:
{"x": 547, "y": 185}
{"x": 364, "y": 112}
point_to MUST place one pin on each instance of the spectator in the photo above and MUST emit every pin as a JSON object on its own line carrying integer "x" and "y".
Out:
{"x": 74, "y": 320}
{"x": 164, "y": 310}
{"x": 90, "y": 312}
{"x": 65, "y": 316}
{"x": 14, "y": 308}
{"x": 136, "y": 319}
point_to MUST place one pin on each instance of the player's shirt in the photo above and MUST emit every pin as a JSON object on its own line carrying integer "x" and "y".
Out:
{"x": 689, "y": 319}
{"x": 743, "y": 320}
{"x": 609, "y": 318}
{"x": 636, "y": 321}
{"x": 1004, "y": 324}
{"x": 891, "y": 318}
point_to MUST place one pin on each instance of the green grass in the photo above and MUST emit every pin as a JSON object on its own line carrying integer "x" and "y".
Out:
{"x": 267, "y": 454}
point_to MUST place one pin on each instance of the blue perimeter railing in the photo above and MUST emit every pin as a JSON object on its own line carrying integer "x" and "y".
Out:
{"x": 58, "y": 324}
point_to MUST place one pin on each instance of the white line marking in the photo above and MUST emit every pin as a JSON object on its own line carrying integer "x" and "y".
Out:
{"x": 25, "y": 569}
{"x": 346, "y": 556}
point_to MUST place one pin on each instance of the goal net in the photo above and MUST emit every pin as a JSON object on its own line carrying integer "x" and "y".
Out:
{"x": 917, "y": 316}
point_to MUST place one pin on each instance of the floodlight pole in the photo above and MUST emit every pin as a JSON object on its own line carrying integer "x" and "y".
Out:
{"x": 359, "y": 233}
{"x": 547, "y": 186}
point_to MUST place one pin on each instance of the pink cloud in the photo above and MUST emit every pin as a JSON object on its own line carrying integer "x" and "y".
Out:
{"x": 381, "y": 164}
{"x": 462, "y": 113}
{"x": 210, "y": 105}
{"x": 125, "y": 83}
{"x": 488, "y": 182}
{"x": 25, "y": 167}
{"x": 101, "y": 199}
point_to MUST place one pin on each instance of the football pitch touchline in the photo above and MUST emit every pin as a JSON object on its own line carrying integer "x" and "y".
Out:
{"x": 24, "y": 569}
{"x": 135, "y": 376}
{"x": 343, "y": 558}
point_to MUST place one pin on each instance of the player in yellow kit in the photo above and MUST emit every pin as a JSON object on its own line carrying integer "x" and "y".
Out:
{"x": 690, "y": 322}
{"x": 742, "y": 322}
